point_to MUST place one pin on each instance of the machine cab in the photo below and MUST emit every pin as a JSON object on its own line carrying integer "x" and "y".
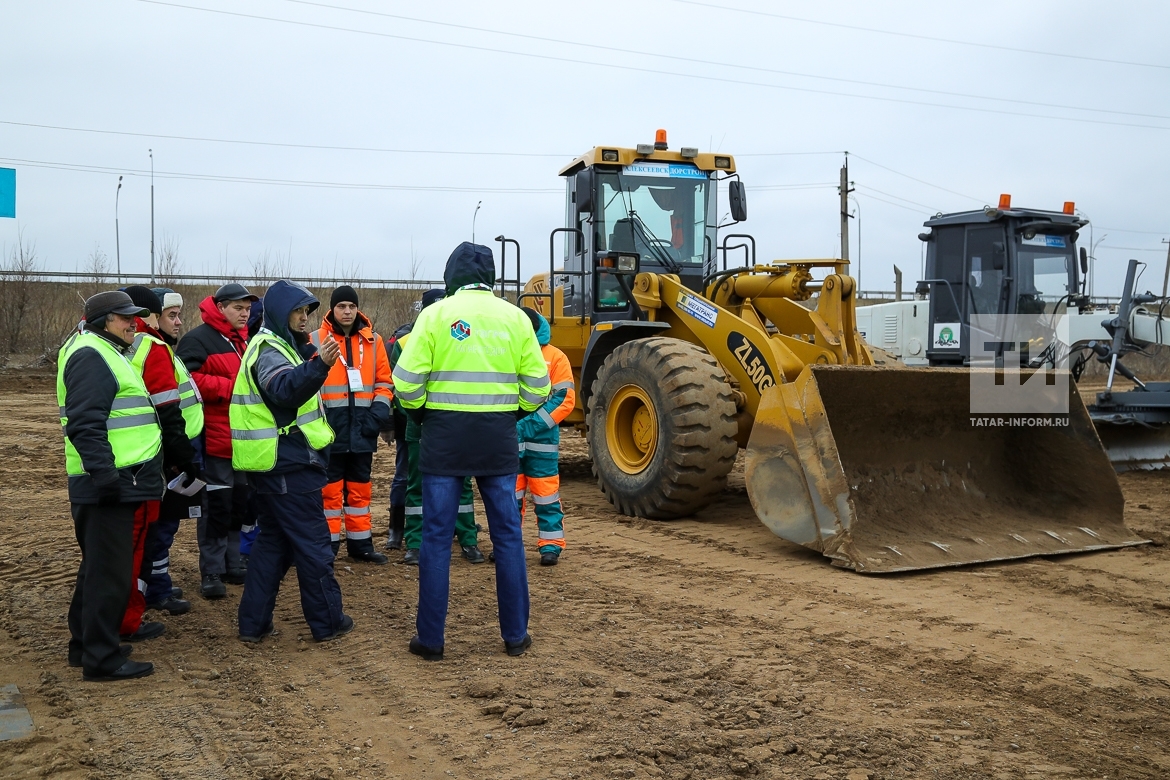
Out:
{"x": 992, "y": 262}
{"x": 650, "y": 203}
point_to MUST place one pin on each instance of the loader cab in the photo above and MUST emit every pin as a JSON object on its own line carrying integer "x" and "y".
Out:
{"x": 649, "y": 202}
{"x": 991, "y": 262}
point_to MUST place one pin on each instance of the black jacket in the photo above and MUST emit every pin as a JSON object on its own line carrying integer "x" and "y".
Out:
{"x": 90, "y": 388}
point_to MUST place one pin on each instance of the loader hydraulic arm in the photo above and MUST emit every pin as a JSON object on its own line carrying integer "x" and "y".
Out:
{"x": 753, "y": 323}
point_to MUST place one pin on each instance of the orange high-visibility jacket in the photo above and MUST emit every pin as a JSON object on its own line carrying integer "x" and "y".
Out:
{"x": 356, "y": 415}
{"x": 560, "y": 373}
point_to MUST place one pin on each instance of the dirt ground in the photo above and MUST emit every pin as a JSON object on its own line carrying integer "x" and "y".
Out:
{"x": 701, "y": 648}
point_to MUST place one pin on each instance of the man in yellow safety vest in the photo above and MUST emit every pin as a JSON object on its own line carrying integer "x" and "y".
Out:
{"x": 113, "y": 458}
{"x": 471, "y": 367}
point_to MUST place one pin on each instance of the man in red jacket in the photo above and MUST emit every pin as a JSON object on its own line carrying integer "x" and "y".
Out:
{"x": 212, "y": 354}
{"x": 152, "y": 357}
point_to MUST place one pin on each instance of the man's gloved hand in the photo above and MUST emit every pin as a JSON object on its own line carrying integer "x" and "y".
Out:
{"x": 192, "y": 471}
{"x": 109, "y": 488}
{"x": 371, "y": 427}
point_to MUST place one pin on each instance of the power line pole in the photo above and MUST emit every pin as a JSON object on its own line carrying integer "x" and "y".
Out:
{"x": 844, "y": 191}
{"x": 1166, "y": 276}
{"x": 117, "y": 230}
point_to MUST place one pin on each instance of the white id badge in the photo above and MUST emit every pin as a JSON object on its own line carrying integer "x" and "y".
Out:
{"x": 355, "y": 379}
{"x": 195, "y": 512}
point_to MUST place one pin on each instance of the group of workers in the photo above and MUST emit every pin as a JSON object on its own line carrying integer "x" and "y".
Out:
{"x": 264, "y": 433}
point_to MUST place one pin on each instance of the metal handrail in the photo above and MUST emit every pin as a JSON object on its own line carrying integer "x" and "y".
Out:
{"x": 725, "y": 248}
{"x": 552, "y": 272}
{"x": 504, "y": 265}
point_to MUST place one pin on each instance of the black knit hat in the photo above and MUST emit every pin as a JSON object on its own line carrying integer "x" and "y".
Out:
{"x": 533, "y": 317}
{"x": 343, "y": 294}
{"x": 145, "y": 297}
{"x": 431, "y": 296}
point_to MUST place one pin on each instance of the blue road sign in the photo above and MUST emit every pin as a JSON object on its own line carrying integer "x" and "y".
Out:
{"x": 8, "y": 192}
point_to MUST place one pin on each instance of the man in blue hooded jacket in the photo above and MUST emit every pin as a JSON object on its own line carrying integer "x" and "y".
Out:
{"x": 471, "y": 367}
{"x": 293, "y": 528}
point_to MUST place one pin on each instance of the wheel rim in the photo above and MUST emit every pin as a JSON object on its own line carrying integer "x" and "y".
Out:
{"x": 631, "y": 429}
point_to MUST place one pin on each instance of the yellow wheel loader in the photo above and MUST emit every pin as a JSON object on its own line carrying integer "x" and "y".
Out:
{"x": 680, "y": 361}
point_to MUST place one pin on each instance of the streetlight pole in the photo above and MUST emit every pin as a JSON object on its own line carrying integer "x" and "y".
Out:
{"x": 473, "y": 216}
{"x": 151, "y": 152}
{"x": 858, "y": 215}
{"x": 151, "y": 215}
{"x": 117, "y": 230}
{"x": 1093, "y": 262}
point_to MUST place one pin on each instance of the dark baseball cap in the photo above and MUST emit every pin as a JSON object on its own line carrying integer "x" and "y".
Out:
{"x": 113, "y": 302}
{"x": 233, "y": 292}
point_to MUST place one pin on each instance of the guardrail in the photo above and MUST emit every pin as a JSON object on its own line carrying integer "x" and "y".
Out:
{"x": 214, "y": 280}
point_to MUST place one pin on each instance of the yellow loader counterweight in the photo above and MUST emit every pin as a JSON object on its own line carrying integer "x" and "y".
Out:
{"x": 679, "y": 364}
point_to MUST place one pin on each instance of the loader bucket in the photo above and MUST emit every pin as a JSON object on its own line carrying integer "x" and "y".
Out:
{"x": 882, "y": 470}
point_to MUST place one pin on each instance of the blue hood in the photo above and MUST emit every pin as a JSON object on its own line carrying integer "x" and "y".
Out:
{"x": 544, "y": 332}
{"x": 256, "y": 318}
{"x": 469, "y": 264}
{"x": 279, "y": 301}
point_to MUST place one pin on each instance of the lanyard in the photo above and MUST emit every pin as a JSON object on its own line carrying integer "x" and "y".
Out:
{"x": 353, "y": 374}
{"x": 361, "y": 354}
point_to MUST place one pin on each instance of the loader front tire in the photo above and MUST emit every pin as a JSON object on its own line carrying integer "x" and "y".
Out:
{"x": 662, "y": 428}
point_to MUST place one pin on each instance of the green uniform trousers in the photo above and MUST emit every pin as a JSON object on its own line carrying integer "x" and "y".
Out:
{"x": 412, "y": 533}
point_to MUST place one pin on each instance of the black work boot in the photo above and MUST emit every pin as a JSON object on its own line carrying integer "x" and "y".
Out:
{"x": 472, "y": 554}
{"x": 171, "y": 604}
{"x": 363, "y": 550}
{"x": 411, "y": 558}
{"x": 212, "y": 587}
{"x": 397, "y": 527}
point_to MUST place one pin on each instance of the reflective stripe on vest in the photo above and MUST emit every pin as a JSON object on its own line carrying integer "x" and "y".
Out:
{"x": 479, "y": 356}
{"x": 190, "y": 402}
{"x": 132, "y": 427}
{"x": 336, "y": 393}
{"x": 255, "y": 437}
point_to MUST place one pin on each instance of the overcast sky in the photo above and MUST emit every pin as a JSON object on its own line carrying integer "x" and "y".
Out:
{"x": 942, "y": 106}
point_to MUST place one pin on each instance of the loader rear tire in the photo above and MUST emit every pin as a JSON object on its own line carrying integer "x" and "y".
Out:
{"x": 662, "y": 428}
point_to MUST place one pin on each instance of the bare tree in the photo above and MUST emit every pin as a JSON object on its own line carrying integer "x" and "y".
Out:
{"x": 270, "y": 265}
{"x": 97, "y": 267}
{"x": 169, "y": 265}
{"x": 17, "y": 280}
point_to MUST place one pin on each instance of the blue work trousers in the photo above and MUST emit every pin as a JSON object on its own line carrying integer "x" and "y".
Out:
{"x": 293, "y": 532}
{"x": 158, "y": 550}
{"x": 441, "y": 499}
